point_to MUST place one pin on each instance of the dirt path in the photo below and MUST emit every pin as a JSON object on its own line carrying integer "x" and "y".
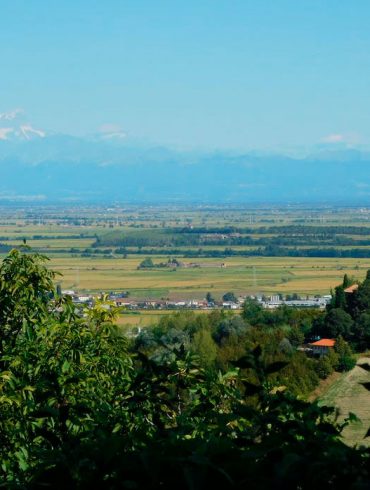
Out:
{"x": 348, "y": 395}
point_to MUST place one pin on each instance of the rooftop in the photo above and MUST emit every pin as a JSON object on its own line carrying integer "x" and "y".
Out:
{"x": 324, "y": 343}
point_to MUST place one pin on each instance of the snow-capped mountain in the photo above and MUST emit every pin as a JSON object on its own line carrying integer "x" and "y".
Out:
{"x": 14, "y": 125}
{"x": 110, "y": 165}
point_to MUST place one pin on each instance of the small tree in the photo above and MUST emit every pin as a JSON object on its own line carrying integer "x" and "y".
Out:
{"x": 230, "y": 296}
{"x": 296, "y": 336}
{"x": 146, "y": 264}
{"x": 252, "y": 311}
{"x": 204, "y": 346}
{"x": 210, "y": 298}
{"x": 324, "y": 367}
{"x": 346, "y": 360}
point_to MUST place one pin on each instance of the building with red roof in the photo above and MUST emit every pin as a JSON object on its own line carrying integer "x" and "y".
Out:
{"x": 322, "y": 346}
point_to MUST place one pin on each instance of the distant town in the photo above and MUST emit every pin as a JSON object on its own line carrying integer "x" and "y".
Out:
{"x": 236, "y": 303}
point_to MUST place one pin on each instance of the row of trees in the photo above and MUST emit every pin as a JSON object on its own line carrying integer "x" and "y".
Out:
{"x": 348, "y": 314}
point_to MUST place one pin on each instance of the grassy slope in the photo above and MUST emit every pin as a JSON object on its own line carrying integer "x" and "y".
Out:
{"x": 348, "y": 395}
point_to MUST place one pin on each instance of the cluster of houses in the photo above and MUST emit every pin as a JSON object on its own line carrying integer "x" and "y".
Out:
{"x": 156, "y": 304}
{"x": 310, "y": 302}
{"x": 318, "y": 348}
{"x": 122, "y": 300}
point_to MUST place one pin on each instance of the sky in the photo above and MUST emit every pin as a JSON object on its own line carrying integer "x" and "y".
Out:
{"x": 197, "y": 73}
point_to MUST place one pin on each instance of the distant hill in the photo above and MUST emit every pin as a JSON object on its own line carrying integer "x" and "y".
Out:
{"x": 60, "y": 167}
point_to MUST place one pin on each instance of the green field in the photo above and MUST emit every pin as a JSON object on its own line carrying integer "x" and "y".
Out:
{"x": 348, "y": 395}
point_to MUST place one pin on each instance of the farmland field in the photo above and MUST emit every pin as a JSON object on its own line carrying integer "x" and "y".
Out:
{"x": 241, "y": 275}
{"x": 247, "y": 250}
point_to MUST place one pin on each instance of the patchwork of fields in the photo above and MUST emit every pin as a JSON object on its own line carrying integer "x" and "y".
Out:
{"x": 241, "y": 275}
{"x": 77, "y": 241}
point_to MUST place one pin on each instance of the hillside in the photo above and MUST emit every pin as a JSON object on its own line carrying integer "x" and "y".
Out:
{"x": 348, "y": 395}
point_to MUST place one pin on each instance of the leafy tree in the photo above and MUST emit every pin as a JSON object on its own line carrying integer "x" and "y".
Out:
{"x": 230, "y": 297}
{"x": 324, "y": 367}
{"x": 346, "y": 281}
{"x": 210, "y": 298}
{"x": 362, "y": 331}
{"x": 339, "y": 299}
{"x": 346, "y": 360}
{"x": 204, "y": 346}
{"x": 63, "y": 375}
{"x": 296, "y": 336}
{"x": 252, "y": 311}
{"x": 26, "y": 286}
{"x": 337, "y": 322}
{"x": 230, "y": 326}
{"x": 146, "y": 263}
{"x": 359, "y": 301}
{"x": 333, "y": 358}
{"x": 285, "y": 346}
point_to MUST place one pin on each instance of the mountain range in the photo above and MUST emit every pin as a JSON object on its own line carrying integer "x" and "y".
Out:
{"x": 36, "y": 165}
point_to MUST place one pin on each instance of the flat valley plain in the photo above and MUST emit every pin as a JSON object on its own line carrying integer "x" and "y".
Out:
{"x": 219, "y": 248}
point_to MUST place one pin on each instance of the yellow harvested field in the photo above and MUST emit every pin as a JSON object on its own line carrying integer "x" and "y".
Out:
{"x": 241, "y": 275}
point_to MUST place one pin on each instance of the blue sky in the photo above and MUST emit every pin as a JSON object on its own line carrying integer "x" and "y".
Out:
{"x": 195, "y": 73}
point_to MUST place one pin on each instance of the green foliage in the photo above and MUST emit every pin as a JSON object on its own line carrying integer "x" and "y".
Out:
{"x": 296, "y": 336}
{"x": 362, "y": 331}
{"x": 210, "y": 298}
{"x": 338, "y": 322}
{"x": 146, "y": 264}
{"x": 324, "y": 367}
{"x": 339, "y": 299}
{"x": 333, "y": 358}
{"x": 348, "y": 315}
{"x": 252, "y": 311}
{"x": 230, "y": 296}
{"x": 230, "y": 326}
{"x": 25, "y": 288}
{"x": 346, "y": 360}
{"x": 204, "y": 346}
{"x": 80, "y": 408}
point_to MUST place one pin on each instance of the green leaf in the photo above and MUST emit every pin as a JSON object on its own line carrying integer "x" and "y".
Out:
{"x": 66, "y": 366}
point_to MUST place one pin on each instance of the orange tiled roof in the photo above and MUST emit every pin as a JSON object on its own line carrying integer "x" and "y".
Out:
{"x": 324, "y": 343}
{"x": 351, "y": 289}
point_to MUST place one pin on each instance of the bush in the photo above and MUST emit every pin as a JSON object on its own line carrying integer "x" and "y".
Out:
{"x": 346, "y": 360}
{"x": 324, "y": 367}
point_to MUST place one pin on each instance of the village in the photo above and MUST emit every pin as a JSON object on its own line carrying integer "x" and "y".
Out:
{"x": 229, "y": 301}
